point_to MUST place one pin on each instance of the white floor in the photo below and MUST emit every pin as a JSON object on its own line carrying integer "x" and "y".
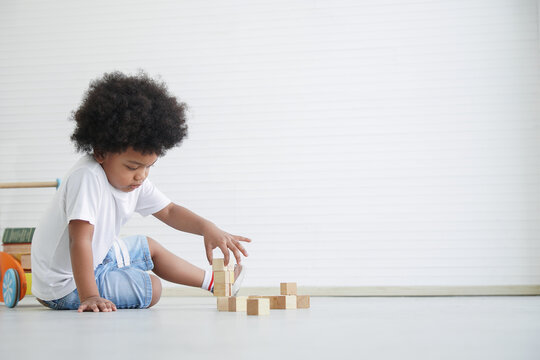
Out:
{"x": 360, "y": 328}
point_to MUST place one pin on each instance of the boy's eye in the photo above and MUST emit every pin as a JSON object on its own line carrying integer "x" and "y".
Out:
{"x": 131, "y": 168}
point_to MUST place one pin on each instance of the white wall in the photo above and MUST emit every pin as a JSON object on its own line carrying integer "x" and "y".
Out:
{"x": 356, "y": 142}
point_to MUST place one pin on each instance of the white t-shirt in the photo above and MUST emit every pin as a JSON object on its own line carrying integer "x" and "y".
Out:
{"x": 84, "y": 194}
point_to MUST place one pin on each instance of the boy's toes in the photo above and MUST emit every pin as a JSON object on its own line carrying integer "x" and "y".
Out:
{"x": 237, "y": 270}
{"x": 239, "y": 274}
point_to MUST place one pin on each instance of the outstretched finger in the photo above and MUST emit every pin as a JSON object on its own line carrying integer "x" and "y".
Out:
{"x": 241, "y": 238}
{"x": 236, "y": 253}
{"x": 241, "y": 248}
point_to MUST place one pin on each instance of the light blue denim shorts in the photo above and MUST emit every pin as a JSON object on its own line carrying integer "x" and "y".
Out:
{"x": 121, "y": 278}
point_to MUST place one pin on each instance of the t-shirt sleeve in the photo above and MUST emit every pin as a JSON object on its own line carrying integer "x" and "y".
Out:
{"x": 150, "y": 200}
{"x": 82, "y": 197}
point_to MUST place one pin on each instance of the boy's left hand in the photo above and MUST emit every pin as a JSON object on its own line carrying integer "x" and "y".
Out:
{"x": 215, "y": 237}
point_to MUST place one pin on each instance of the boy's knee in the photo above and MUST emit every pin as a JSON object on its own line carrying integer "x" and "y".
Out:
{"x": 156, "y": 290}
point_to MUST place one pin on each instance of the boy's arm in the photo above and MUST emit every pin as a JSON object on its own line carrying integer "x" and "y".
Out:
{"x": 183, "y": 219}
{"x": 80, "y": 248}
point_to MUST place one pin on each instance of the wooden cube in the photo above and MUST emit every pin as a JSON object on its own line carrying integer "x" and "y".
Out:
{"x": 223, "y": 303}
{"x": 302, "y": 302}
{"x": 238, "y": 303}
{"x": 258, "y": 306}
{"x": 283, "y": 302}
{"x": 222, "y": 289}
{"x": 223, "y": 277}
{"x": 288, "y": 289}
{"x": 218, "y": 264}
{"x": 273, "y": 301}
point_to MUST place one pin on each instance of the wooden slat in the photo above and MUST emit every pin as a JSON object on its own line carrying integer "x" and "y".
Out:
{"x": 31, "y": 184}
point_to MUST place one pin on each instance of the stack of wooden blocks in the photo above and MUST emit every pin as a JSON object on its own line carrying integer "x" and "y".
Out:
{"x": 255, "y": 305}
{"x": 223, "y": 277}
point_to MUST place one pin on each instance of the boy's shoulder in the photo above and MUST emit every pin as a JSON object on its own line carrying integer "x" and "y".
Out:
{"x": 87, "y": 168}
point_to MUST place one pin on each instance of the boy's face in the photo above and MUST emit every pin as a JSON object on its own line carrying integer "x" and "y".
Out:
{"x": 126, "y": 171}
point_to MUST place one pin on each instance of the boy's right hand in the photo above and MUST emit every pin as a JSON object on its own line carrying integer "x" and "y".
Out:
{"x": 97, "y": 304}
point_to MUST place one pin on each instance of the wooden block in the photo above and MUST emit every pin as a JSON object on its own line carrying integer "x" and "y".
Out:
{"x": 273, "y": 301}
{"x": 223, "y": 303}
{"x": 223, "y": 277}
{"x": 26, "y": 262}
{"x": 258, "y": 306}
{"x": 302, "y": 302}
{"x": 279, "y": 301}
{"x": 222, "y": 289}
{"x": 283, "y": 302}
{"x": 286, "y": 302}
{"x": 238, "y": 303}
{"x": 288, "y": 289}
{"x": 218, "y": 264}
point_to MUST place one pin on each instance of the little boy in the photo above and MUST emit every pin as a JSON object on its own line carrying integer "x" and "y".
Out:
{"x": 124, "y": 124}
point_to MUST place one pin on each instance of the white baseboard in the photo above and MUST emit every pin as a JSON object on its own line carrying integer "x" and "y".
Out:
{"x": 502, "y": 290}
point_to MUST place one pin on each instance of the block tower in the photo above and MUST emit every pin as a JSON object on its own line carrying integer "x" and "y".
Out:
{"x": 223, "y": 277}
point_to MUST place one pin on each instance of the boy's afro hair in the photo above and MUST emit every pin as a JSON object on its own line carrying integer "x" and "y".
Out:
{"x": 120, "y": 111}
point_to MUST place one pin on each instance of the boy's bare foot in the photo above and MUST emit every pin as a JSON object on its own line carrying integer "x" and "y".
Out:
{"x": 239, "y": 273}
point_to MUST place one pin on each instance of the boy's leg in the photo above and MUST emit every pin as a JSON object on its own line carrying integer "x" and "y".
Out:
{"x": 170, "y": 267}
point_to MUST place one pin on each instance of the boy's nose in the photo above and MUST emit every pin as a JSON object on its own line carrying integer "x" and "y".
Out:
{"x": 140, "y": 175}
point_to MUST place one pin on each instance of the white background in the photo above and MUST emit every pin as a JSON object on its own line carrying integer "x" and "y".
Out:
{"x": 358, "y": 143}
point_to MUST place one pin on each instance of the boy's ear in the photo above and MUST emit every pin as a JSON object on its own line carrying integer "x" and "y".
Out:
{"x": 99, "y": 156}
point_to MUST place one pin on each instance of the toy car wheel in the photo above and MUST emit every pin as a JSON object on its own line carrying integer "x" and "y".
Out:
{"x": 11, "y": 287}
